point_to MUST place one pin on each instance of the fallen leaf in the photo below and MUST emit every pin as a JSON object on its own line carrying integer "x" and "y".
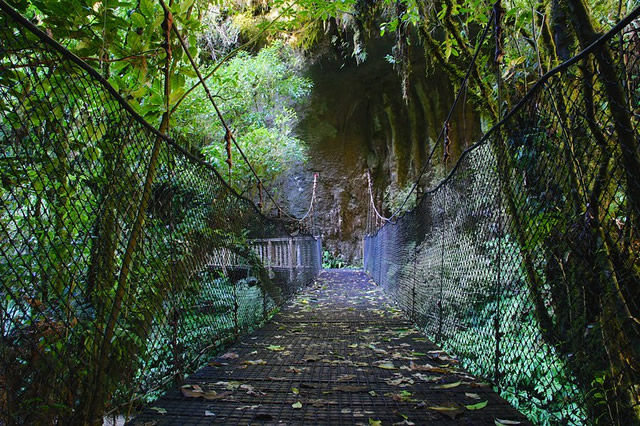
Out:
{"x": 248, "y": 407}
{"x": 427, "y": 377}
{"x": 276, "y": 348}
{"x": 355, "y": 345}
{"x": 232, "y": 385}
{"x": 374, "y": 422}
{"x": 402, "y": 382}
{"x": 429, "y": 368}
{"x": 318, "y": 403}
{"x": 346, "y": 377}
{"x": 192, "y": 391}
{"x": 295, "y": 391}
{"x": 229, "y": 355}
{"x": 311, "y": 358}
{"x": 448, "y": 385}
{"x": 195, "y": 391}
{"x": 449, "y": 409}
{"x": 472, "y": 395}
{"x": 373, "y": 393}
{"x": 387, "y": 366}
{"x": 503, "y": 422}
{"x": 209, "y": 413}
{"x": 403, "y": 396}
{"x": 293, "y": 370}
{"x": 478, "y": 406}
{"x": 297, "y": 405}
{"x": 255, "y": 362}
{"x": 251, "y": 391}
{"x": 159, "y": 410}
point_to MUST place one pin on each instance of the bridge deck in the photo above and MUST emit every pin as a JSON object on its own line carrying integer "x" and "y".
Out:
{"x": 339, "y": 353}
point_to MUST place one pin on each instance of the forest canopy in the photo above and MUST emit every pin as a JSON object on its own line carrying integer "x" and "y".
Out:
{"x": 128, "y": 41}
{"x": 105, "y": 223}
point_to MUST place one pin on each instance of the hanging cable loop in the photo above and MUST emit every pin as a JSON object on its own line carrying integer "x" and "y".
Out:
{"x": 461, "y": 90}
{"x": 498, "y": 13}
{"x": 447, "y": 142}
{"x": 372, "y": 202}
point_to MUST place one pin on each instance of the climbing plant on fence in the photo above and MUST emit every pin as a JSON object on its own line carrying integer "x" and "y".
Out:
{"x": 524, "y": 261}
{"x": 123, "y": 259}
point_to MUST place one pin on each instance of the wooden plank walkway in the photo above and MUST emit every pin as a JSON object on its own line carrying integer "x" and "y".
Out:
{"x": 338, "y": 354}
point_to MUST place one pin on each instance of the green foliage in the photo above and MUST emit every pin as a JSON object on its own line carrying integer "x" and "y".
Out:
{"x": 331, "y": 261}
{"x": 74, "y": 172}
{"x": 394, "y": 199}
{"x": 258, "y": 94}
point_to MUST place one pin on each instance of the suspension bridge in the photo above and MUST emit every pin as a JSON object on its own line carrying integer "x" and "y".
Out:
{"x": 137, "y": 282}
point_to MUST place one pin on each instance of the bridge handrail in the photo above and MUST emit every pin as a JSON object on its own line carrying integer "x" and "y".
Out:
{"x": 109, "y": 232}
{"x": 524, "y": 260}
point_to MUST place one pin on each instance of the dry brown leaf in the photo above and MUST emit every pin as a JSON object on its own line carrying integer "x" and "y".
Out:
{"x": 448, "y": 385}
{"x": 346, "y": 377}
{"x": 229, "y": 355}
{"x": 311, "y": 358}
{"x": 254, "y": 362}
{"x": 429, "y": 368}
{"x": 449, "y": 409}
{"x": 195, "y": 391}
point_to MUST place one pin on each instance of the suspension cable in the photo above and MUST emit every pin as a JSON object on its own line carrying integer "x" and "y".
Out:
{"x": 313, "y": 198}
{"x": 229, "y": 133}
{"x": 372, "y": 202}
{"x": 446, "y": 122}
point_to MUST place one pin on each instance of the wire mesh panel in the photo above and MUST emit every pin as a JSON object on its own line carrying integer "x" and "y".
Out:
{"x": 123, "y": 259}
{"x": 524, "y": 261}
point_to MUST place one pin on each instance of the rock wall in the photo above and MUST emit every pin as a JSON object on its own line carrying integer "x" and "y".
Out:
{"x": 356, "y": 119}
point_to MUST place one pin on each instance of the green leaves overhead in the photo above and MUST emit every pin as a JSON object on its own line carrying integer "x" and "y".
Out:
{"x": 258, "y": 95}
{"x": 125, "y": 41}
{"x": 146, "y": 7}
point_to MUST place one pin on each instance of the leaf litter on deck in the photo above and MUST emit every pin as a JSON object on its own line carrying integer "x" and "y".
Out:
{"x": 341, "y": 347}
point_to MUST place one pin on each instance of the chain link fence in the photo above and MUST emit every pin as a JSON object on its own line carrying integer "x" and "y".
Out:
{"x": 524, "y": 262}
{"x": 124, "y": 261}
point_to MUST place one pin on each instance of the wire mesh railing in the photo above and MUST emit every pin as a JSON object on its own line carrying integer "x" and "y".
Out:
{"x": 524, "y": 262}
{"x": 124, "y": 260}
